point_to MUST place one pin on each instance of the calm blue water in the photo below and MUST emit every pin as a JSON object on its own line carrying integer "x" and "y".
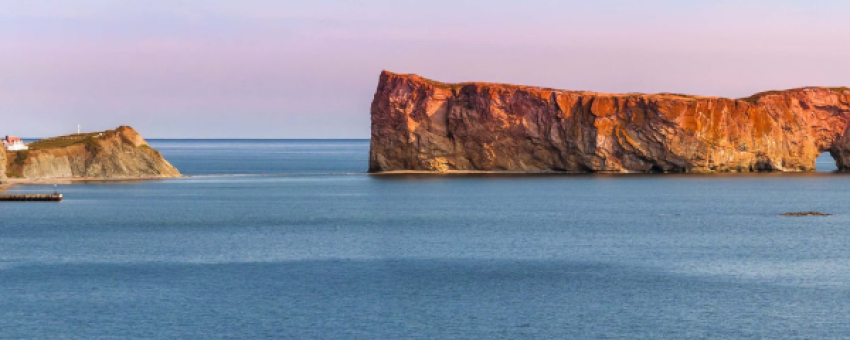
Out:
{"x": 291, "y": 239}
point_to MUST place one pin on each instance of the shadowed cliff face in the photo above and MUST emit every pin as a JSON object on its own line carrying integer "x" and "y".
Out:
{"x": 119, "y": 153}
{"x": 419, "y": 124}
{"x": 2, "y": 164}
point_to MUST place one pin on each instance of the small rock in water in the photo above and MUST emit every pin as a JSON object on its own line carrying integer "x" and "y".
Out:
{"x": 805, "y": 213}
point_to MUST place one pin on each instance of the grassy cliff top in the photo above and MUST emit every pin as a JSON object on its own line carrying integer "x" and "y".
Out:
{"x": 62, "y": 141}
{"x": 126, "y": 132}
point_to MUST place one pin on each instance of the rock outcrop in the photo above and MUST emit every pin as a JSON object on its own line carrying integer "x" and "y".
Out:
{"x": 2, "y": 164}
{"x": 113, "y": 154}
{"x": 424, "y": 125}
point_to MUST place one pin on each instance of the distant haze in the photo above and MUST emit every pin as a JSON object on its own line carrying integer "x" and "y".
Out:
{"x": 308, "y": 69}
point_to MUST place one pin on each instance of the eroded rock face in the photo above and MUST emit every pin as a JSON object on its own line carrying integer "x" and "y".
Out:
{"x": 2, "y": 164}
{"x": 420, "y": 124}
{"x": 119, "y": 153}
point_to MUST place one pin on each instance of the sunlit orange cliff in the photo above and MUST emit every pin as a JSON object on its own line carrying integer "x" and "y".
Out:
{"x": 423, "y": 125}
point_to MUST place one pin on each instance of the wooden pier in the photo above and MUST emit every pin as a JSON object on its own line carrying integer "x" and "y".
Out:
{"x": 31, "y": 198}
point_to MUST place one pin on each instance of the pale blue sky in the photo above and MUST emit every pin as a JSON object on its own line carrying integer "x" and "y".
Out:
{"x": 308, "y": 69}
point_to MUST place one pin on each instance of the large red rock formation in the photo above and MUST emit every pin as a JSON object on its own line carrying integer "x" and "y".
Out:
{"x": 420, "y": 124}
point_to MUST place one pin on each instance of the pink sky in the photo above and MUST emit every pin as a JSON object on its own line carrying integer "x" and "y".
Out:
{"x": 292, "y": 69}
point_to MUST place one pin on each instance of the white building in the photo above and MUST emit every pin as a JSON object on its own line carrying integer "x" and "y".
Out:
{"x": 14, "y": 144}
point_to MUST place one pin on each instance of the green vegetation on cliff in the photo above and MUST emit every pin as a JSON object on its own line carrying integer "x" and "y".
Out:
{"x": 63, "y": 141}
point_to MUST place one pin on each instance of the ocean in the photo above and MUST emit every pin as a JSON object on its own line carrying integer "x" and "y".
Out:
{"x": 292, "y": 239}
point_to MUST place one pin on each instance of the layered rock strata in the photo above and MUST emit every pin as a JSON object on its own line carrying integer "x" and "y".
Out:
{"x": 2, "y": 164}
{"x": 424, "y": 125}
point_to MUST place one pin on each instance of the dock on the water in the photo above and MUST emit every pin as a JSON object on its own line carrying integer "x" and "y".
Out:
{"x": 31, "y": 198}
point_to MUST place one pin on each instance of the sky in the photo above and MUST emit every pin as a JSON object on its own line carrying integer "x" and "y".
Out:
{"x": 309, "y": 69}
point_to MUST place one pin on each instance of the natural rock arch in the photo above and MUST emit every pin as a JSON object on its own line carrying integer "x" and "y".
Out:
{"x": 420, "y": 124}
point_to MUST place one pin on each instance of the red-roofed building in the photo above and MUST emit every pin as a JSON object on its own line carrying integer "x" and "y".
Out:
{"x": 13, "y": 143}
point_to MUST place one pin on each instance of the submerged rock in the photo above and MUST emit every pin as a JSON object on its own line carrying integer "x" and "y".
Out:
{"x": 119, "y": 153}
{"x": 424, "y": 125}
{"x": 804, "y": 214}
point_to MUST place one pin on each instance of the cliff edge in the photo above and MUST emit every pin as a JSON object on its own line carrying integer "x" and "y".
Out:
{"x": 113, "y": 154}
{"x": 423, "y": 125}
{"x": 2, "y": 164}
